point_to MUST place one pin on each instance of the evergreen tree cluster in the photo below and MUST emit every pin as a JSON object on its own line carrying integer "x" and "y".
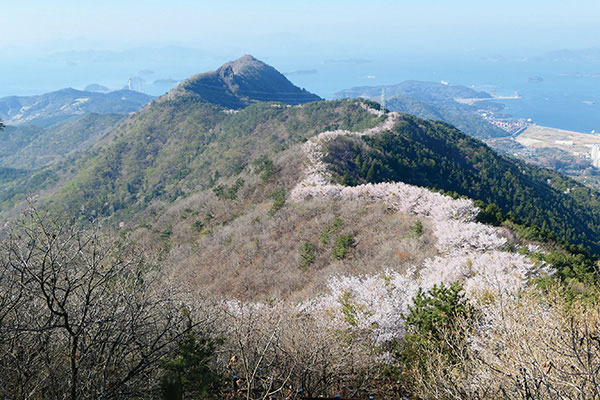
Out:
{"x": 436, "y": 155}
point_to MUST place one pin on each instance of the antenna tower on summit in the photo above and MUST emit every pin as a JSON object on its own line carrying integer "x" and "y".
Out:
{"x": 383, "y": 100}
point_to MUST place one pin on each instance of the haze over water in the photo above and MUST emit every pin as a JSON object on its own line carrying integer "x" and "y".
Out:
{"x": 322, "y": 46}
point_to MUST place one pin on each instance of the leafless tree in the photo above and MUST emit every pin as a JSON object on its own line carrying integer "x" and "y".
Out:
{"x": 279, "y": 351}
{"x": 534, "y": 347}
{"x": 542, "y": 347}
{"x": 81, "y": 315}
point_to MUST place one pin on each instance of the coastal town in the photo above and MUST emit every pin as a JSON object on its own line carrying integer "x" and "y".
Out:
{"x": 512, "y": 126}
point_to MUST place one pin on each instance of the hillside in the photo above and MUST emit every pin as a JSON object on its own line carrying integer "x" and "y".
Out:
{"x": 55, "y": 107}
{"x": 156, "y": 149}
{"x": 181, "y": 145}
{"x": 438, "y": 156}
{"x": 430, "y": 100}
{"x": 242, "y": 82}
{"x": 225, "y": 197}
{"x": 216, "y": 193}
{"x": 31, "y": 147}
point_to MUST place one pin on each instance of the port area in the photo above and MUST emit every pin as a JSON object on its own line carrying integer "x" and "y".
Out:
{"x": 513, "y": 126}
{"x": 490, "y": 113}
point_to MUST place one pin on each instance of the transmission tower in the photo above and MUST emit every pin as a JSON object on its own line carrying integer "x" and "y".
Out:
{"x": 383, "y": 100}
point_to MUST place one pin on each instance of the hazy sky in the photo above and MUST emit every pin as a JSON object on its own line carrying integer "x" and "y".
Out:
{"x": 321, "y": 45}
{"x": 109, "y": 41}
{"x": 363, "y": 26}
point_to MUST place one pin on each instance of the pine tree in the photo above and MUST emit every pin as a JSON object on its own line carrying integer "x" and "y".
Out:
{"x": 188, "y": 374}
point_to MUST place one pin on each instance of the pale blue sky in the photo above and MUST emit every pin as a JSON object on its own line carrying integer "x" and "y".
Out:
{"x": 374, "y": 25}
{"x": 348, "y": 42}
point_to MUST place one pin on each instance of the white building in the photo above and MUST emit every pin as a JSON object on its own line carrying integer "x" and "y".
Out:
{"x": 596, "y": 155}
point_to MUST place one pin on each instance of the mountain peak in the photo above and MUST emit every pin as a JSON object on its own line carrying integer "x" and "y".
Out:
{"x": 244, "y": 64}
{"x": 245, "y": 60}
{"x": 244, "y": 81}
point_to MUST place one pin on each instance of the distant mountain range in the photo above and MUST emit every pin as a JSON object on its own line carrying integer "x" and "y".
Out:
{"x": 430, "y": 92}
{"x": 55, "y": 107}
{"x": 94, "y": 87}
{"x": 569, "y": 55}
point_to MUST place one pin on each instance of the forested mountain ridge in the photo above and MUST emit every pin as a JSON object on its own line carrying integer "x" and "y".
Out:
{"x": 298, "y": 248}
{"x": 418, "y": 90}
{"x": 180, "y": 146}
{"x": 438, "y": 156}
{"x": 246, "y": 81}
{"x": 31, "y": 147}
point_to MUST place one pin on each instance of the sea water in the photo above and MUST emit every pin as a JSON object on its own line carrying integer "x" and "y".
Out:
{"x": 562, "y": 95}
{"x": 559, "y": 95}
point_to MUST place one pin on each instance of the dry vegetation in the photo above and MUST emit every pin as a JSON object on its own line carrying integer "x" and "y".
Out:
{"x": 533, "y": 346}
{"x": 236, "y": 247}
{"x": 83, "y": 316}
{"x": 258, "y": 255}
